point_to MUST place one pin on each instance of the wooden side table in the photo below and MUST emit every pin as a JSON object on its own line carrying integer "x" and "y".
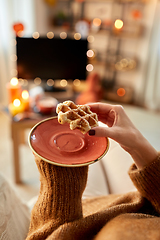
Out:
{"x": 17, "y": 131}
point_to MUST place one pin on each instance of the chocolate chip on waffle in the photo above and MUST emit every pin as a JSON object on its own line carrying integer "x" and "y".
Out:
{"x": 79, "y": 116}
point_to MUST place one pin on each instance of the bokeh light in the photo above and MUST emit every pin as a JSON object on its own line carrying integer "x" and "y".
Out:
{"x": 118, "y": 24}
{"x": 90, "y": 39}
{"x": 63, "y": 83}
{"x": 63, "y": 35}
{"x": 35, "y": 35}
{"x": 14, "y": 81}
{"x": 90, "y": 53}
{"x": 37, "y": 81}
{"x": 16, "y": 102}
{"x": 25, "y": 94}
{"x": 97, "y": 22}
{"x": 50, "y": 35}
{"x": 50, "y": 82}
{"x": 89, "y": 67}
{"x": 76, "y": 82}
{"x": 77, "y": 36}
{"x": 121, "y": 92}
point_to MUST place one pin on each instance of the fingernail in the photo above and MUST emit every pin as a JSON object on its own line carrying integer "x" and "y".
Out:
{"x": 91, "y": 132}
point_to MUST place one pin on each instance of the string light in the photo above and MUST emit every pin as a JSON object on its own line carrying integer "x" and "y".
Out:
{"x": 89, "y": 67}
{"x": 63, "y": 35}
{"x": 50, "y": 82}
{"x": 21, "y": 81}
{"x": 13, "y": 42}
{"x": 77, "y": 36}
{"x": 50, "y": 35}
{"x": 90, "y": 39}
{"x": 37, "y": 81}
{"x": 13, "y": 57}
{"x": 35, "y": 35}
{"x": 63, "y": 83}
{"x": 97, "y": 22}
{"x": 118, "y": 24}
{"x": 14, "y": 81}
{"x": 76, "y": 82}
{"x": 90, "y": 53}
{"x": 25, "y": 83}
{"x": 14, "y": 72}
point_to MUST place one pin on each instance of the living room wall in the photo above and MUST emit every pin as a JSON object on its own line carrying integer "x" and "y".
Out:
{"x": 137, "y": 47}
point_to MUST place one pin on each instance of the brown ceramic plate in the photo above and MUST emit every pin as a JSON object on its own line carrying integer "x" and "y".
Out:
{"x": 57, "y": 144}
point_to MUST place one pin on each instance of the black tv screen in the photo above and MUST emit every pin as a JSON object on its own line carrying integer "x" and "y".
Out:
{"x": 51, "y": 58}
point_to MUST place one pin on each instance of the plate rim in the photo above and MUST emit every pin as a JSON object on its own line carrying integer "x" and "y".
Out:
{"x": 62, "y": 164}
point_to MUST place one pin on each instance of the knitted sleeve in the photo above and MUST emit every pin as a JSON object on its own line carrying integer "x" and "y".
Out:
{"x": 147, "y": 181}
{"x": 59, "y": 200}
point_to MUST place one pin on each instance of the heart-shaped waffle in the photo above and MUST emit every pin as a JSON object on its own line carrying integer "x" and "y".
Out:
{"x": 79, "y": 116}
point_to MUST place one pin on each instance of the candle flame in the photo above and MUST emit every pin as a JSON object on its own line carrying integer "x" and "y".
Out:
{"x": 14, "y": 81}
{"x": 16, "y": 102}
{"x": 25, "y": 94}
{"x": 118, "y": 24}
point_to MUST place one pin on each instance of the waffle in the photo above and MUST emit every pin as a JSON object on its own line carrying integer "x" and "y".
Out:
{"x": 79, "y": 116}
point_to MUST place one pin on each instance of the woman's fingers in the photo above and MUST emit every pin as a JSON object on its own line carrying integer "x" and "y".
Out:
{"x": 100, "y": 108}
{"x": 101, "y": 132}
{"x": 105, "y": 112}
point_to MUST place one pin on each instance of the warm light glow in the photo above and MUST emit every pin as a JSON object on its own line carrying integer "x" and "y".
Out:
{"x": 63, "y": 83}
{"x": 35, "y": 35}
{"x": 90, "y": 53}
{"x": 14, "y": 81}
{"x": 90, "y": 39}
{"x": 13, "y": 57}
{"x": 63, "y": 35}
{"x": 77, "y": 36}
{"x": 118, "y": 24}
{"x": 121, "y": 92}
{"x": 50, "y": 35}
{"x": 37, "y": 81}
{"x": 76, "y": 82}
{"x": 97, "y": 22}
{"x": 89, "y": 67}
{"x": 50, "y": 82}
{"x": 25, "y": 83}
{"x": 13, "y": 42}
{"x": 16, "y": 102}
{"x": 21, "y": 81}
{"x": 14, "y": 72}
{"x": 25, "y": 94}
{"x": 20, "y": 34}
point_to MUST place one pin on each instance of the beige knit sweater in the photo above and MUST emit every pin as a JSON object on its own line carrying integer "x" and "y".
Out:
{"x": 60, "y": 213}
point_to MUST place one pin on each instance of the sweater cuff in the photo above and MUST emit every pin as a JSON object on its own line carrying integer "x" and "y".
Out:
{"x": 60, "y": 198}
{"x": 147, "y": 181}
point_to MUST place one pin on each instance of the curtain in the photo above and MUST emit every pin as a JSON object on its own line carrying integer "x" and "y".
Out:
{"x": 11, "y": 12}
{"x": 152, "y": 77}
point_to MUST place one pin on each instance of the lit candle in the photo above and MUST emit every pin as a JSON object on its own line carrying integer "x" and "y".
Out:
{"x": 16, "y": 107}
{"x": 25, "y": 99}
{"x": 118, "y": 24}
{"x": 14, "y": 90}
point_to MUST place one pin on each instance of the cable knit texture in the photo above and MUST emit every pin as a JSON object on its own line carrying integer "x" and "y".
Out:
{"x": 59, "y": 212}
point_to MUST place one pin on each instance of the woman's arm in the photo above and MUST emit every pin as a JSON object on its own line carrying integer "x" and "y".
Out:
{"x": 59, "y": 200}
{"x": 122, "y": 130}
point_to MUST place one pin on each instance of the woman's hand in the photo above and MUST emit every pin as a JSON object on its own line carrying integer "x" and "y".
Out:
{"x": 122, "y": 130}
